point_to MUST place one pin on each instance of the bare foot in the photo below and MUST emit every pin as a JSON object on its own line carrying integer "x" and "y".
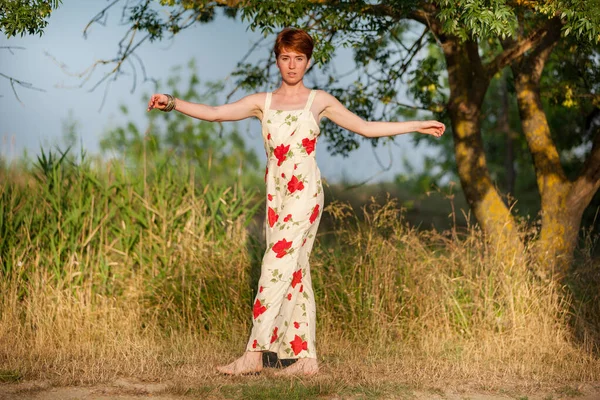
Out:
{"x": 304, "y": 366}
{"x": 249, "y": 363}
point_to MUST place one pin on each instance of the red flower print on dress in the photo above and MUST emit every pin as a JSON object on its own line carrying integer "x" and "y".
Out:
{"x": 296, "y": 325}
{"x": 270, "y": 197}
{"x": 293, "y": 133}
{"x": 266, "y": 173}
{"x": 280, "y": 153}
{"x": 274, "y": 336}
{"x": 273, "y": 217}
{"x": 301, "y": 288}
{"x": 289, "y": 296}
{"x": 258, "y": 309}
{"x": 260, "y": 289}
{"x": 315, "y": 214}
{"x": 298, "y": 345}
{"x": 268, "y": 136}
{"x": 295, "y": 184}
{"x": 283, "y": 175}
{"x": 287, "y": 218}
{"x": 282, "y": 247}
{"x": 297, "y": 278}
{"x": 309, "y": 145}
{"x": 255, "y": 344}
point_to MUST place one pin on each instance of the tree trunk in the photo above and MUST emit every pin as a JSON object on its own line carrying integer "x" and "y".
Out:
{"x": 468, "y": 84}
{"x": 562, "y": 201}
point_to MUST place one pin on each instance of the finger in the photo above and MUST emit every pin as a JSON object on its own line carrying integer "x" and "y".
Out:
{"x": 153, "y": 101}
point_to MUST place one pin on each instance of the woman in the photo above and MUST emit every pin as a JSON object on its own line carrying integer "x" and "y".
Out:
{"x": 284, "y": 307}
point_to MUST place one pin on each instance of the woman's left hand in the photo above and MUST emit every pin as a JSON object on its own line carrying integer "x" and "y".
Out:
{"x": 433, "y": 128}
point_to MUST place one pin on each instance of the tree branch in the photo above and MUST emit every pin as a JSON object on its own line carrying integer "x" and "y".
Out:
{"x": 98, "y": 17}
{"x": 419, "y": 16}
{"x": 591, "y": 168}
{"x": 24, "y": 84}
{"x": 516, "y": 49}
{"x": 15, "y": 81}
{"x": 588, "y": 182}
{"x": 10, "y": 48}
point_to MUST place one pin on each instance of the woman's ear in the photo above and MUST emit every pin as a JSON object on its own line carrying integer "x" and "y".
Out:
{"x": 307, "y": 65}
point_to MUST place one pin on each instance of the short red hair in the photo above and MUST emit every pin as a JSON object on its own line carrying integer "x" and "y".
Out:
{"x": 294, "y": 39}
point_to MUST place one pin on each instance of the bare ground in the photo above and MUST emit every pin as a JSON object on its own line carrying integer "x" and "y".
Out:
{"x": 130, "y": 389}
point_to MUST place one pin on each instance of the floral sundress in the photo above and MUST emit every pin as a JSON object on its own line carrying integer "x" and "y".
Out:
{"x": 284, "y": 312}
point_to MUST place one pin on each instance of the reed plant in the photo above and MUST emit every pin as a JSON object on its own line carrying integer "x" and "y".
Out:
{"x": 109, "y": 271}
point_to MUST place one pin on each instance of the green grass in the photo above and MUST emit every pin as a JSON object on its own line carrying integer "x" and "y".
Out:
{"x": 9, "y": 376}
{"x": 150, "y": 272}
{"x": 569, "y": 391}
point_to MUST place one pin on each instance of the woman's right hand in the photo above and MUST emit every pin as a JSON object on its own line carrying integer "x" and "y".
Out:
{"x": 158, "y": 101}
{"x": 433, "y": 128}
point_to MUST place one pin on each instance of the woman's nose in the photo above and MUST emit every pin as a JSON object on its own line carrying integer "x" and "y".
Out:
{"x": 292, "y": 64}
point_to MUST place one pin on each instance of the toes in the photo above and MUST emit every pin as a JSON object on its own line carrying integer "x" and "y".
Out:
{"x": 238, "y": 370}
{"x": 299, "y": 368}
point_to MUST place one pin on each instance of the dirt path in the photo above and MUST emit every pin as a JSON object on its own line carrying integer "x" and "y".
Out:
{"x": 123, "y": 389}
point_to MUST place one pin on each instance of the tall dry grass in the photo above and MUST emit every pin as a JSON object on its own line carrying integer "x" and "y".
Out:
{"x": 106, "y": 272}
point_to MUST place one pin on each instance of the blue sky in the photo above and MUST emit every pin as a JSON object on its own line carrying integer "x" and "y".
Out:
{"x": 216, "y": 47}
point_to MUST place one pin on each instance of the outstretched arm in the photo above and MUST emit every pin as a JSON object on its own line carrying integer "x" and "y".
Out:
{"x": 249, "y": 106}
{"x": 336, "y": 112}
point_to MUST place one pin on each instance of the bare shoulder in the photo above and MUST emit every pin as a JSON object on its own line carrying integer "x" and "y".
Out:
{"x": 253, "y": 103}
{"x": 324, "y": 100}
{"x": 259, "y": 99}
{"x": 255, "y": 98}
{"x": 326, "y": 103}
{"x": 323, "y": 96}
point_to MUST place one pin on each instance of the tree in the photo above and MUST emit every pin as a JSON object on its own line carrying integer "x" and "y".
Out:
{"x": 477, "y": 39}
{"x": 563, "y": 199}
{"x": 29, "y": 17}
{"x": 19, "y": 17}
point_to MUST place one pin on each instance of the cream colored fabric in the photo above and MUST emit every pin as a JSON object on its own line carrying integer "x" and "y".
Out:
{"x": 284, "y": 309}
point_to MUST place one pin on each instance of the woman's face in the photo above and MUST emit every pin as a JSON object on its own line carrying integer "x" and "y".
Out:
{"x": 292, "y": 66}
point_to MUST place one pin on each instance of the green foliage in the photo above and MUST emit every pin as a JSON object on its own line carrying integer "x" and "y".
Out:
{"x": 478, "y": 18}
{"x": 387, "y": 49}
{"x": 86, "y": 221}
{"x": 25, "y": 17}
{"x": 427, "y": 85}
{"x": 571, "y": 92}
{"x": 484, "y": 19}
{"x": 582, "y": 17}
{"x": 382, "y": 35}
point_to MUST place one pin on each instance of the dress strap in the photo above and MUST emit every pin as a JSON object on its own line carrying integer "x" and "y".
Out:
{"x": 309, "y": 102}
{"x": 267, "y": 102}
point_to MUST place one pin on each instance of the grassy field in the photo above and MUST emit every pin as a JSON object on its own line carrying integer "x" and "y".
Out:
{"x": 110, "y": 272}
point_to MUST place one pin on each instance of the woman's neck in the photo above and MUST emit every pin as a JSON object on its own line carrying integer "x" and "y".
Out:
{"x": 297, "y": 89}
